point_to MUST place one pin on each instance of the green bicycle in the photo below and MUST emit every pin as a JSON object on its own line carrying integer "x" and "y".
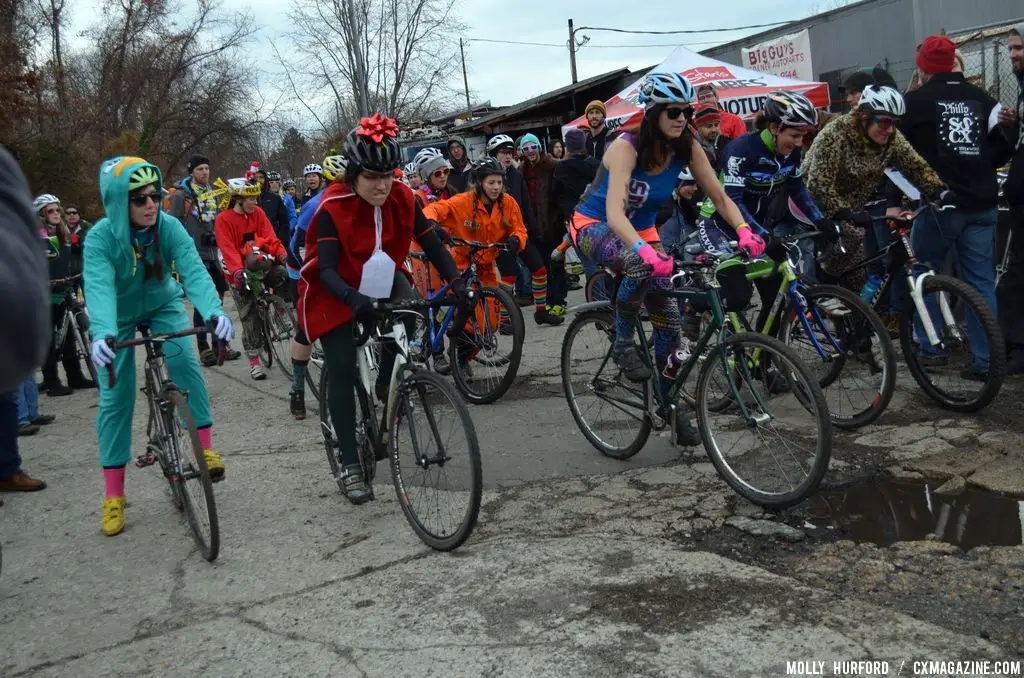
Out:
{"x": 831, "y": 329}
{"x": 771, "y": 445}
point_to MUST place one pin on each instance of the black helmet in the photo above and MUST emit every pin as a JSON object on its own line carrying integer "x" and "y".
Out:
{"x": 485, "y": 168}
{"x": 790, "y": 109}
{"x": 373, "y": 146}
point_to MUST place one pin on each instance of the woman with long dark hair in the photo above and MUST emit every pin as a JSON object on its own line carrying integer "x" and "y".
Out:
{"x": 614, "y": 224}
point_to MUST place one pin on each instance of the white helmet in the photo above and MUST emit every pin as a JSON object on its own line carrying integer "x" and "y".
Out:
{"x": 664, "y": 88}
{"x": 428, "y": 161}
{"x": 883, "y": 99}
{"x": 43, "y": 200}
{"x": 497, "y": 141}
{"x": 410, "y": 168}
{"x": 685, "y": 176}
{"x": 312, "y": 168}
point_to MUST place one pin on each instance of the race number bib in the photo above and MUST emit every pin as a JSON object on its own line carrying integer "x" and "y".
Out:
{"x": 379, "y": 271}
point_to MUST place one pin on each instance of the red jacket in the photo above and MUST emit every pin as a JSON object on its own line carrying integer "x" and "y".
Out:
{"x": 234, "y": 231}
{"x": 732, "y": 125}
{"x": 319, "y": 310}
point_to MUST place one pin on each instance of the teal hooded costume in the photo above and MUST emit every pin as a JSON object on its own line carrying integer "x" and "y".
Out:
{"x": 119, "y": 297}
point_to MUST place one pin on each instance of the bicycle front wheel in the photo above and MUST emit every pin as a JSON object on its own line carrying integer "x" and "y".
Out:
{"x": 435, "y": 461}
{"x": 485, "y": 354}
{"x": 189, "y": 465}
{"x": 949, "y": 373}
{"x": 848, "y": 349}
{"x": 773, "y": 444}
{"x": 610, "y": 411}
{"x": 279, "y": 330}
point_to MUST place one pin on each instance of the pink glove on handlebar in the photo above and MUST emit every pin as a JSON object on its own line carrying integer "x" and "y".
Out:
{"x": 749, "y": 241}
{"x": 661, "y": 263}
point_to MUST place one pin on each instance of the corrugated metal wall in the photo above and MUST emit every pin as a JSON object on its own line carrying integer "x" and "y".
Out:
{"x": 883, "y": 32}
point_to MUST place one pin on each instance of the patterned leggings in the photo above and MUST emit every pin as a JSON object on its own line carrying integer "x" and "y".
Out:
{"x": 598, "y": 243}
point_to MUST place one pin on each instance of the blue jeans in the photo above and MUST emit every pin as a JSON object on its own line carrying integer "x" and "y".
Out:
{"x": 28, "y": 401}
{"x": 10, "y": 460}
{"x": 971, "y": 233}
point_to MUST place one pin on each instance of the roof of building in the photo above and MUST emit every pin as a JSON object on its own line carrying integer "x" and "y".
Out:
{"x": 547, "y": 97}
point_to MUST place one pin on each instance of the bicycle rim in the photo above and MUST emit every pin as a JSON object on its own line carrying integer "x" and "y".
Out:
{"x": 945, "y": 383}
{"x": 82, "y": 339}
{"x": 854, "y": 360}
{"x": 314, "y": 368}
{"x": 280, "y": 332}
{"x": 155, "y": 436}
{"x": 196, "y": 486}
{"x": 598, "y": 287}
{"x": 483, "y": 360}
{"x": 435, "y": 461}
{"x": 773, "y": 446}
{"x": 610, "y": 411}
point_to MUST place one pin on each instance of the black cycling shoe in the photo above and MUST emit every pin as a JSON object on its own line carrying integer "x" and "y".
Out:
{"x": 686, "y": 434}
{"x": 631, "y": 365}
{"x": 298, "y": 405}
{"x": 546, "y": 317}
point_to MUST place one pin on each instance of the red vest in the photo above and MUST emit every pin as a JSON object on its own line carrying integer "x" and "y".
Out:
{"x": 319, "y": 310}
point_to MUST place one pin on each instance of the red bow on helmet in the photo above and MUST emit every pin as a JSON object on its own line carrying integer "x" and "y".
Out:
{"x": 377, "y": 128}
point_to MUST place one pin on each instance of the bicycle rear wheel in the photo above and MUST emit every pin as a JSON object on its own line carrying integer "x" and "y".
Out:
{"x": 773, "y": 445}
{"x": 314, "y": 368}
{"x": 433, "y": 442}
{"x": 82, "y": 344}
{"x": 279, "y": 330}
{"x": 599, "y": 286}
{"x": 483, "y": 358}
{"x": 189, "y": 464}
{"x": 854, "y": 359}
{"x": 609, "y": 410}
{"x": 366, "y": 432}
{"x": 947, "y": 374}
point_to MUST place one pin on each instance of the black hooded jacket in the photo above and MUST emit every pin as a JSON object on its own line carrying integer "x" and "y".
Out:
{"x": 277, "y": 213}
{"x": 572, "y": 176}
{"x": 515, "y": 186}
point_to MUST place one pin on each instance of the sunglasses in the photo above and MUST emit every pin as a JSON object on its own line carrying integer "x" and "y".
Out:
{"x": 439, "y": 173}
{"x": 884, "y": 121}
{"x": 52, "y": 210}
{"x": 143, "y": 200}
{"x": 71, "y": 213}
{"x": 674, "y": 112}
{"x": 530, "y": 148}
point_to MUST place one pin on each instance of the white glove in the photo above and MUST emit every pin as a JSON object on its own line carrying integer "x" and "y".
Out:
{"x": 225, "y": 331}
{"x": 102, "y": 354}
{"x": 557, "y": 256}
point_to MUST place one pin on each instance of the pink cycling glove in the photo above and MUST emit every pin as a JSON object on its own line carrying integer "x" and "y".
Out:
{"x": 661, "y": 263}
{"x": 749, "y": 241}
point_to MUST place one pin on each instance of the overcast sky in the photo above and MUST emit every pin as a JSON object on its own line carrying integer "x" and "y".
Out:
{"x": 506, "y": 74}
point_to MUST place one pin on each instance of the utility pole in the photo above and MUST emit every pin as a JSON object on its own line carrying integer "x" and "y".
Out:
{"x": 572, "y": 52}
{"x": 465, "y": 80}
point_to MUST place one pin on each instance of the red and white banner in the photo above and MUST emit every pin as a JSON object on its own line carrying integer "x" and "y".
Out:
{"x": 788, "y": 56}
{"x": 740, "y": 90}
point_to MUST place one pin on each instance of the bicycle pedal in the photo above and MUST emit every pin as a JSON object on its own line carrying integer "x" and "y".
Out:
{"x": 144, "y": 460}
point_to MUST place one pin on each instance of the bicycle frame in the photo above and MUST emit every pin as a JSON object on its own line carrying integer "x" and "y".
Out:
{"x": 915, "y": 282}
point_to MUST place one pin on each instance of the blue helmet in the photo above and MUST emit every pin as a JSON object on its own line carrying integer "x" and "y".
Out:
{"x": 665, "y": 88}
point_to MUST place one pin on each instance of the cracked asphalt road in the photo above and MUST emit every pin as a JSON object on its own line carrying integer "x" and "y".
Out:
{"x": 580, "y": 566}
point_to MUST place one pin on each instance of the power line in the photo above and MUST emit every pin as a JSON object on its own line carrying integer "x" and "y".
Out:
{"x": 516, "y": 42}
{"x": 695, "y": 30}
{"x": 562, "y": 45}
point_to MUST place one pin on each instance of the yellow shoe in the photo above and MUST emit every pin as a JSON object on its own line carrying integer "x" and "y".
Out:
{"x": 215, "y": 464}
{"x": 113, "y": 516}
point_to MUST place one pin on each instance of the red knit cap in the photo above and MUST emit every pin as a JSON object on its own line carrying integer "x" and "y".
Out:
{"x": 706, "y": 114}
{"x": 936, "y": 55}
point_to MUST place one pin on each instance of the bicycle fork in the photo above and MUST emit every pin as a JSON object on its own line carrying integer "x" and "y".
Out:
{"x": 917, "y": 294}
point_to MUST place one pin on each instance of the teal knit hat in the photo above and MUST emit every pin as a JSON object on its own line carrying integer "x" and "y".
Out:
{"x": 528, "y": 139}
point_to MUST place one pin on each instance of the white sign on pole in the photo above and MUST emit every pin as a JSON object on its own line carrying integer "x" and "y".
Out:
{"x": 788, "y": 56}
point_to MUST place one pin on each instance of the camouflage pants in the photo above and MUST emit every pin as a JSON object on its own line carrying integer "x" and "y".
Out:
{"x": 252, "y": 322}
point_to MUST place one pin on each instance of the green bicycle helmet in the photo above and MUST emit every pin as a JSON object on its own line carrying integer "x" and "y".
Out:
{"x": 143, "y": 176}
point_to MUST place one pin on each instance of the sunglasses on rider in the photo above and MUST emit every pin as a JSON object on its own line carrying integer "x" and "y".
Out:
{"x": 529, "y": 148}
{"x": 673, "y": 112}
{"x": 71, "y": 213}
{"x": 143, "y": 200}
{"x": 884, "y": 121}
{"x": 443, "y": 172}
{"x": 52, "y": 210}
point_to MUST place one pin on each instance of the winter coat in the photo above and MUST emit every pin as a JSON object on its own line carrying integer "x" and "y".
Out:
{"x": 515, "y": 186}
{"x": 571, "y": 178}
{"x": 197, "y": 216}
{"x": 540, "y": 183}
